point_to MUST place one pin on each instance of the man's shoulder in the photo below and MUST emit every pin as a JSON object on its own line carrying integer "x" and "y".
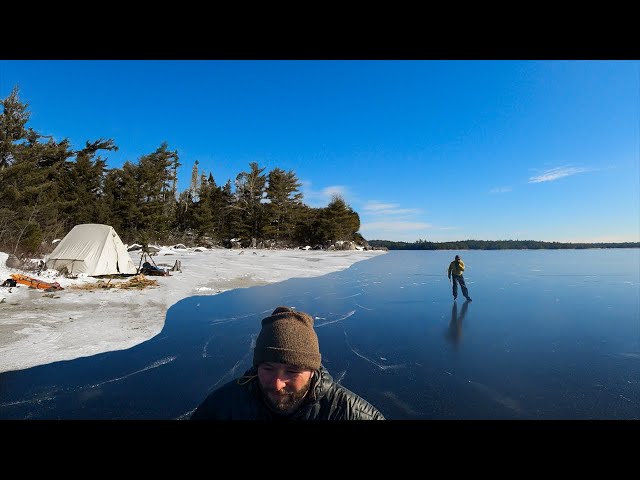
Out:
{"x": 360, "y": 408}
{"x": 235, "y": 387}
{"x": 223, "y": 399}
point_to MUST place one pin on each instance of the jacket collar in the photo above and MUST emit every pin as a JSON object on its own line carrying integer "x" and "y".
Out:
{"x": 320, "y": 384}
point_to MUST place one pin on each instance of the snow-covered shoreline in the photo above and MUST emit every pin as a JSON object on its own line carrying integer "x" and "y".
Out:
{"x": 37, "y": 327}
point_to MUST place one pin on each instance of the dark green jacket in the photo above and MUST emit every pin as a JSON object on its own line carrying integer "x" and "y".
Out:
{"x": 241, "y": 399}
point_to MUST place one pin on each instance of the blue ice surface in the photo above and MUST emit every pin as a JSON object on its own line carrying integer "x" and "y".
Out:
{"x": 550, "y": 334}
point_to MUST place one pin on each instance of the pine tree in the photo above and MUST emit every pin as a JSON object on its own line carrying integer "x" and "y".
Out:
{"x": 284, "y": 202}
{"x": 155, "y": 183}
{"x": 202, "y": 211}
{"x": 193, "y": 186}
{"x": 30, "y": 176}
{"x": 13, "y": 118}
{"x": 85, "y": 184}
{"x": 339, "y": 221}
{"x": 250, "y": 193}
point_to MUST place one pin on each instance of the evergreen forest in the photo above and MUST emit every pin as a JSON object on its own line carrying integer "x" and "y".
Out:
{"x": 47, "y": 187}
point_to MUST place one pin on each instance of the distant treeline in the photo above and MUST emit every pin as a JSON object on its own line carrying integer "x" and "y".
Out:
{"x": 46, "y": 188}
{"x": 494, "y": 245}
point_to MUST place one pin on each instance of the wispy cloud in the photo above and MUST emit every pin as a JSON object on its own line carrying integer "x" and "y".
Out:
{"x": 396, "y": 226}
{"x": 500, "y": 190}
{"x": 321, "y": 198}
{"x": 375, "y": 207}
{"x": 334, "y": 190}
{"x": 390, "y": 221}
{"x": 557, "y": 173}
{"x": 401, "y": 231}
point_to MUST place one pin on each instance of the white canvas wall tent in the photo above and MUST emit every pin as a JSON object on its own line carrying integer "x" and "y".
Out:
{"x": 92, "y": 249}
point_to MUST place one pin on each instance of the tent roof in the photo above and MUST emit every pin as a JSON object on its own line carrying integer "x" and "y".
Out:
{"x": 94, "y": 249}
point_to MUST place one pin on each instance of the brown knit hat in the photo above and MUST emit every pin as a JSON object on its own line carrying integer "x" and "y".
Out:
{"x": 288, "y": 337}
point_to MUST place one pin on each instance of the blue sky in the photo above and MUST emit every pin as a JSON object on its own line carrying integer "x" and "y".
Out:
{"x": 435, "y": 150}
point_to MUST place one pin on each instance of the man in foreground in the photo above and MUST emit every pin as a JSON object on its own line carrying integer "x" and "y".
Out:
{"x": 455, "y": 270}
{"x": 287, "y": 380}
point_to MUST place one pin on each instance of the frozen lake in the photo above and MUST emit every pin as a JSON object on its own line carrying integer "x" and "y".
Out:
{"x": 550, "y": 334}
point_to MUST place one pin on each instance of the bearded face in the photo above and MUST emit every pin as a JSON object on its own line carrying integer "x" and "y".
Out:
{"x": 284, "y": 387}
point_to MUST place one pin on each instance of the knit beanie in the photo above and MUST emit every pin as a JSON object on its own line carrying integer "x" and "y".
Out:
{"x": 288, "y": 337}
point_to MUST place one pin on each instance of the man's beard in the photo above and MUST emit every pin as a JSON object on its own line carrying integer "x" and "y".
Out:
{"x": 283, "y": 401}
